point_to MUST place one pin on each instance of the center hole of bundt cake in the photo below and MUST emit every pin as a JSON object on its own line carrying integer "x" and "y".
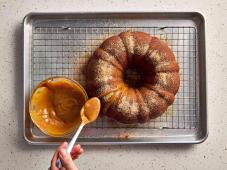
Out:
{"x": 134, "y": 77}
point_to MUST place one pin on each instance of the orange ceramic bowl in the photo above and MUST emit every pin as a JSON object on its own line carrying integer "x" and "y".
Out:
{"x": 55, "y": 106}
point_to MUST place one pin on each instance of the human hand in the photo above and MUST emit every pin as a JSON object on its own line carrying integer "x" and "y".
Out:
{"x": 66, "y": 159}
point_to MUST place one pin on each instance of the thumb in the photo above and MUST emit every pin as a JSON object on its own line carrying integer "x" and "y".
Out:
{"x": 66, "y": 160}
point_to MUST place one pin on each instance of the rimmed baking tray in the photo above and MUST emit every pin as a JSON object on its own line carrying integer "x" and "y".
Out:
{"x": 59, "y": 44}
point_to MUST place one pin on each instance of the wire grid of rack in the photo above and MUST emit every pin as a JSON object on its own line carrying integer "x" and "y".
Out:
{"x": 64, "y": 51}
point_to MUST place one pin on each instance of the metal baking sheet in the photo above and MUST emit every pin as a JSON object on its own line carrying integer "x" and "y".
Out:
{"x": 59, "y": 44}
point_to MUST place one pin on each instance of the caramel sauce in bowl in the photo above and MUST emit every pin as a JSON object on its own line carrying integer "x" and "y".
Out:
{"x": 55, "y": 106}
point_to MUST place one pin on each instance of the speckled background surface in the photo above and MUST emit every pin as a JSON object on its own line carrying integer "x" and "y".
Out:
{"x": 15, "y": 153}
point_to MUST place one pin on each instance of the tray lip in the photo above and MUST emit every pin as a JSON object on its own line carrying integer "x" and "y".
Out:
{"x": 26, "y": 138}
{"x": 198, "y": 14}
{"x": 106, "y": 143}
{"x": 201, "y": 17}
{"x": 203, "y": 85}
{"x": 132, "y": 142}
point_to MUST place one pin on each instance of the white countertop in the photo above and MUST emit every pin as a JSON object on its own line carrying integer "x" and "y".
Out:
{"x": 17, "y": 154}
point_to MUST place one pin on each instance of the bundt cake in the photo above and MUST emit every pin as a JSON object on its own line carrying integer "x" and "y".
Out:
{"x": 157, "y": 80}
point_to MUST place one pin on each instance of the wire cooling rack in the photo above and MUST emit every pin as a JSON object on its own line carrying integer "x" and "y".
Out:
{"x": 64, "y": 51}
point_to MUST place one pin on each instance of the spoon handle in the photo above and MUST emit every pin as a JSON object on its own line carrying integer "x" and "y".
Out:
{"x": 71, "y": 144}
{"x": 73, "y": 140}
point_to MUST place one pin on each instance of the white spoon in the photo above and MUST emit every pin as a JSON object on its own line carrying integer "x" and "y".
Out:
{"x": 88, "y": 113}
